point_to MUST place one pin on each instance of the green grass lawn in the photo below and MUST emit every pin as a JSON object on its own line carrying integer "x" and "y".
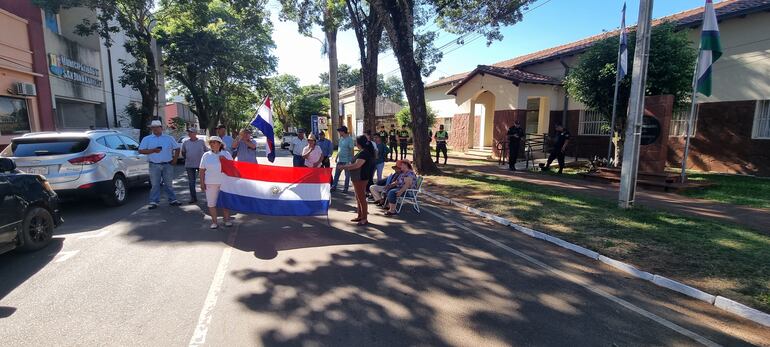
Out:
{"x": 733, "y": 189}
{"x": 719, "y": 258}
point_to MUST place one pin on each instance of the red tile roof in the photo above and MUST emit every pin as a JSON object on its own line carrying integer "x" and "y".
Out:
{"x": 690, "y": 18}
{"x": 512, "y": 74}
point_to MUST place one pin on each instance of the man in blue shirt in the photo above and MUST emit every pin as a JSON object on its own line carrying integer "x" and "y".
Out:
{"x": 227, "y": 139}
{"x": 161, "y": 153}
{"x": 344, "y": 156}
{"x": 326, "y": 147}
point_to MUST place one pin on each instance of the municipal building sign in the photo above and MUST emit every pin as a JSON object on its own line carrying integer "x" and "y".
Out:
{"x": 72, "y": 70}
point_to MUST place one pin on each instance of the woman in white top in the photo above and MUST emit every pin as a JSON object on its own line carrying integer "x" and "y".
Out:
{"x": 212, "y": 177}
{"x": 312, "y": 154}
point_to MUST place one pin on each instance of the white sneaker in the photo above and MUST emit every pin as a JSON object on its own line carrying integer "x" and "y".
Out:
{"x": 214, "y": 226}
{"x": 228, "y": 224}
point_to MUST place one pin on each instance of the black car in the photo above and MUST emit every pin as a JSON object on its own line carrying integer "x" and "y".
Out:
{"x": 29, "y": 209}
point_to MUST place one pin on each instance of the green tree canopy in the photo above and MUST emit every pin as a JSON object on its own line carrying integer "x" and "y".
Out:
{"x": 215, "y": 49}
{"x": 670, "y": 69}
{"x": 311, "y": 100}
{"x": 348, "y": 76}
{"x": 404, "y": 117}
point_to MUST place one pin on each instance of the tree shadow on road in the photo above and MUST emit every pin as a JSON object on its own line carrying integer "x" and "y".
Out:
{"x": 17, "y": 267}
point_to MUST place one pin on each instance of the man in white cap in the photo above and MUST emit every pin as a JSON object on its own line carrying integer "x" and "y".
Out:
{"x": 192, "y": 151}
{"x": 161, "y": 149}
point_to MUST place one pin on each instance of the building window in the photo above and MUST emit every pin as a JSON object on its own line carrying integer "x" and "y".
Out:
{"x": 14, "y": 116}
{"x": 679, "y": 123}
{"x": 593, "y": 123}
{"x": 762, "y": 121}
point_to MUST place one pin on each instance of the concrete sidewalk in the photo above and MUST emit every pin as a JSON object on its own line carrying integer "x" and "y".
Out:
{"x": 754, "y": 218}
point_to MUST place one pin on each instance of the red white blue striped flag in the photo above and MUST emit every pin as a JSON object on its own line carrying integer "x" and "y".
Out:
{"x": 710, "y": 49}
{"x": 274, "y": 190}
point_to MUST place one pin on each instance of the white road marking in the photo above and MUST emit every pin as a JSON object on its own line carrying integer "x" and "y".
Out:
{"x": 660, "y": 320}
{"x": 204, "y": 319}
{"x": 64, "y": 256}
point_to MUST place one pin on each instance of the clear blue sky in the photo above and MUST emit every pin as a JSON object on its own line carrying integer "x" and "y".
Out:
{"x": 548, "y": 23}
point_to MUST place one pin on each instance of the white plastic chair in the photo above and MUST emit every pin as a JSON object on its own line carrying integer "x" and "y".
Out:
{"x": 412, "y": 196}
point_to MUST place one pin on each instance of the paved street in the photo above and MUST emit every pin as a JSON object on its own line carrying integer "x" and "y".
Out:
{"x": 130, "y": 276}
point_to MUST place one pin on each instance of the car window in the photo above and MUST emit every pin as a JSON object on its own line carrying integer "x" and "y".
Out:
{"x": 130, "y": 143}
{"x": 114, "y": 142}
{"x": 31, "y": 147}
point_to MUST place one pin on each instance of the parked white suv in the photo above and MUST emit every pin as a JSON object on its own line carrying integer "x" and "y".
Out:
{"x": 100, "y": 163}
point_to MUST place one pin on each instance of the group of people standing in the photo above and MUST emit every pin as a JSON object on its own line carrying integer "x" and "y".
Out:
{"x": 201, "y": 158}
{"x": 313, "y": 151}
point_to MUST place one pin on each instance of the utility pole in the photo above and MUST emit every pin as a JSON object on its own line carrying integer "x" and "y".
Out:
{"x": 630, "y": 167}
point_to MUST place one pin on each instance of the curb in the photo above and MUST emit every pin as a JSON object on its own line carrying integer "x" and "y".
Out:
{"x": 720, "y": 302}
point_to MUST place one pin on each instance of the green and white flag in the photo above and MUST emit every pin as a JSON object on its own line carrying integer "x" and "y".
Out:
{"x": 710, "y": 49}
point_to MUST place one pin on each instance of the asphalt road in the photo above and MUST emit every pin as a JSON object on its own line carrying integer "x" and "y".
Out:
{"x": 130, "y": 276}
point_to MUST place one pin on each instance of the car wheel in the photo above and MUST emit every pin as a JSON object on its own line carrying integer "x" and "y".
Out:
{"x": 37, "y": 229}
{"x": 118, "y": 192}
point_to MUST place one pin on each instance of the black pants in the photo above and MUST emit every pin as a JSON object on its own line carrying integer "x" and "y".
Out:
{"x": 513, "y": 154}
{"x": 325, "y": 162}
{"x": 558, "y": 155}
{"x": 441, "y": 148}
{"x": 403, "y": 146}
{"x": 393, "y": 150}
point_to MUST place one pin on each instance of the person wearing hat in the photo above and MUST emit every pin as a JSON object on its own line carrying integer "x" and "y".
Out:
{"x": 327, "y": 147}
{"x": 344, "y": 156}
{"x": 378, "y": 190}
{"x": 161, "y": 149}
{"x": 296, "y": 147}
{"x": 227, "y": 139}
{"x": 405, "y": 181}
{"x": 244, "y": 148}
{"x": 192, "y": 152}
{"x": 212, "y": 178}
{"x": 312, "y": 154}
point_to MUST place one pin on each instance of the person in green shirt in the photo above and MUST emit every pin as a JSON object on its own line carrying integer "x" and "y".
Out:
{"x": 403, "y": 140}
{"x": 441, "y": 137}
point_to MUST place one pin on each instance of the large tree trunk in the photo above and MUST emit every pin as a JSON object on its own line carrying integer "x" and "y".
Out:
{"x": 150, "y": 94}
{"x": 398, "y": 18}
{"x": 369, "y": 81}
{"x": 368, "y": 29}
{"x": 334, "y": 94}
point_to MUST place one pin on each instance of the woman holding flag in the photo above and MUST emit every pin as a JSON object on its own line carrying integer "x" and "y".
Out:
{"x": 361, "y": 170}
{"x": 212, "y": 178}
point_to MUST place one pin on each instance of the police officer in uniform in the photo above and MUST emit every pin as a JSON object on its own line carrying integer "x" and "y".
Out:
{"x": 441, "y": 137}
{"x": 403, "y": 140}
{"x": 393, "y": 142}
{"x": 383, "y": 134}
{"x": 515, "y": 134}
{"x": 559, "y": 148}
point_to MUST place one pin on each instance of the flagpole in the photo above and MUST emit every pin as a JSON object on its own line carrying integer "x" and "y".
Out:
{"x": 617, "y": 86}
{"x": 614, "y": 109}
{"x": 690, "y": 118}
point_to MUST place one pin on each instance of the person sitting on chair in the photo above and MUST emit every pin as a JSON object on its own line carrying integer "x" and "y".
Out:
{"x": 378, "y": 190}
{"x": 405, "y": 181}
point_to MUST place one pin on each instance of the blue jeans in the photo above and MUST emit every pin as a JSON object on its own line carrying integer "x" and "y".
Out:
{"x": 336, "y": 178}
{"x": 298, "y": 161}
{"x": 192, "y": 175}
{"x": 392, "y": 195}
{"x": 380, "y": 167}
{"x": 161, "y": 175}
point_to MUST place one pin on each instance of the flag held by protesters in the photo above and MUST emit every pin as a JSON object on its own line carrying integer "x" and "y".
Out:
{"x": 263, "y": 120}
{"x": 710, "y": 49}
{"x": 274, "y": 190}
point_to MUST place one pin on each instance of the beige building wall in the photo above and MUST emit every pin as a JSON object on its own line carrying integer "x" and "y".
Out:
{"x": 16, "y": 66}
{"x": 443, "y": 104}
{"x": 506, "y": 93}
{"x": 743, "y": 71}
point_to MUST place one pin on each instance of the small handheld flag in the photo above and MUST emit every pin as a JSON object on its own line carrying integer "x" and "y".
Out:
{"x": 710, "y": 49}
{"x": 263, "y": 120}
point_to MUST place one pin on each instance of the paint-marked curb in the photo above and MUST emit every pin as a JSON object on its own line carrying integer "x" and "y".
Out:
{"x": 718, "y": 301}
{"x": 684, "y": 289}
{"x": 742, "y": 310}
